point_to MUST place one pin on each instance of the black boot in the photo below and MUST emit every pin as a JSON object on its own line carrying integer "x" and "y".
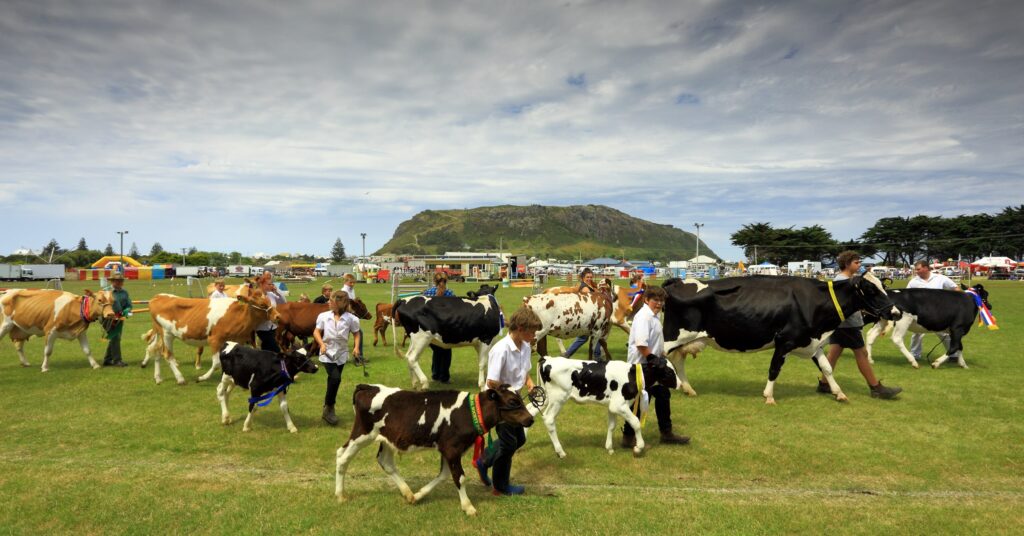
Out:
{"x": 669, "y": 437}
{"x": 329, "y": 416}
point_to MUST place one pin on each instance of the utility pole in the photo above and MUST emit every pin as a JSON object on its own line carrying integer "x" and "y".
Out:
{"x": 122, "y": 233}
{"x": 183, "y": 256}
{"x": 698, "y": 226}
{"x": 364, "y": 245}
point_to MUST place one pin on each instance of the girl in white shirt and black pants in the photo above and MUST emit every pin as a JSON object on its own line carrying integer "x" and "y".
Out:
{"x": 333, "y": 328}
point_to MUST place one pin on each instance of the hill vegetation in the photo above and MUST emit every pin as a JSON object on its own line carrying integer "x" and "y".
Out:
{"x": 546, "y": 232}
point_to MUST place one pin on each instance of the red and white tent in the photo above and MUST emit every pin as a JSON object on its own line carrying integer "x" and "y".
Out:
{"x": 995, "y": 262}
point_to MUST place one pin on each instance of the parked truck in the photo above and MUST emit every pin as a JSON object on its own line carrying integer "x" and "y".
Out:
{"x": 185, "y": 271}
{"x": 42, "y": 271}
{"x": 244, "y": 270}
{"x": 10, "y": 272}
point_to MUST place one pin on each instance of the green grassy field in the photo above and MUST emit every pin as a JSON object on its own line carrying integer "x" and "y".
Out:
{"x": 108, "y": 451}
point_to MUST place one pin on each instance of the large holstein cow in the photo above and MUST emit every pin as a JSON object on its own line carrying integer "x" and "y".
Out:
{"x": 51, "y": 314}
{"x": 402, "y": 421}
{"x": 749, "y": 314}
{"x": 297, "y": 320}
{"x": 931, "y": 311}
{"x": 203, "y": 322}
{"x": 571, "y": 315}
{"x": 446, "y": 321}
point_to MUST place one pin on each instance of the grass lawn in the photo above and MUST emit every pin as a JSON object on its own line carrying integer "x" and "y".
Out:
{"x": 108, "y": 451}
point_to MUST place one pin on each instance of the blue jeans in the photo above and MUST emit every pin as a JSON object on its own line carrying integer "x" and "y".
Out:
{"x": 580, "y": 341}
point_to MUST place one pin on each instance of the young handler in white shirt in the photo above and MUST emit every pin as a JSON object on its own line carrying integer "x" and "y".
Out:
{"x": 509, "y": 363}
{"x": 646, "y": 338}
{"x": 333, "y": 328}
{"x": 924, "y": 278}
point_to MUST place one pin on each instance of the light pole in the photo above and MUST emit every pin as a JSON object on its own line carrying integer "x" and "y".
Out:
{"x": 122, "y": 233}
{"x": 364, "y": 245}
{"x": 183, "y": 256}
{"x": 698, "y": 226}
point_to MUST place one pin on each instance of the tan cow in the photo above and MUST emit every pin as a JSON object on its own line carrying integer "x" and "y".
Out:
{"x": 52, "y": 314}
{"x": 380, "y": 325}
{"x": 203, "y": 322}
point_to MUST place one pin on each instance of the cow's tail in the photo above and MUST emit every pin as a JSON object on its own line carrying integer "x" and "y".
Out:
{"x": 394, "y": 328}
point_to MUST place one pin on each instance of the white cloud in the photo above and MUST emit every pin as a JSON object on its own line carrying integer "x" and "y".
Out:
{"x": 279, "y": 127}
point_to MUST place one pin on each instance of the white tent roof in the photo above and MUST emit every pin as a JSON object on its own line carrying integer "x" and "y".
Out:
{"x": 996, "y": 262}
{"x": 703, "y": 259}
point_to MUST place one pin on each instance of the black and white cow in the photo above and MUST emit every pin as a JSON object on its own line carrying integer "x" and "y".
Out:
{"x": 748, "y": 314}
{"x": 261, "y": 372}
{"x": 406, "y": 420}
{"x": 447, "y": 322}
{"x": 612, "y": 383}
{"x": 930, "y": 311}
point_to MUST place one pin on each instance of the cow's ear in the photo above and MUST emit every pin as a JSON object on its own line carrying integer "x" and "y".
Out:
{"x": 963, "y": 286}
{"x": 88, "y": 292}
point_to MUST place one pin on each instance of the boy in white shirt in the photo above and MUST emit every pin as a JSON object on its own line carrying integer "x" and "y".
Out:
{"x": 924, "y": 278}
{"x": 333, "y": 328}
{"x": 218, "y": 288}
{"x": 646, "y": 338}
{"x": 508, "y": 362}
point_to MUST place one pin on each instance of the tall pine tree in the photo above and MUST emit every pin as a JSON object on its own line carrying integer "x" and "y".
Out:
{"x": 81, "y": 245}
{"x": 109, "y": 250}
{"x": 338, "y": 251}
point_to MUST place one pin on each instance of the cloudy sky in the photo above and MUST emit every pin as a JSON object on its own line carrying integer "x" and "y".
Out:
{"x": 279, "y": 126}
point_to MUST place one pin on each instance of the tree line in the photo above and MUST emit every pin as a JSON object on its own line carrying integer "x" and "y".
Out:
{"x": 83, "y": 257}
{"x": 895, "y": 240}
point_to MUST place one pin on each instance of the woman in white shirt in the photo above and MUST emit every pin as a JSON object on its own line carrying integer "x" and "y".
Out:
{"x": 333, "y": 328}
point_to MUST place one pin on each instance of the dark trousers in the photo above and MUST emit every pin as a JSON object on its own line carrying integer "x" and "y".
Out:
{"x": 113, "y": 353}
{"x": 510, "y": 438}
{"x": 268, "y": 340}
{"x": 440, "y": 363}
{"x": 333, "y": 382}
{"x": 661, "y": 395}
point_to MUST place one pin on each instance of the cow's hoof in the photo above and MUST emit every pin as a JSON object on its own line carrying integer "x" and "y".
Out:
{"x": 342, "y": 498}
{"x": 158, "y": 380}
{"x": 96, "y": 366}
{"x": 915, "y": 365}
{"x": 562, "y": 455}
{"x": 143, "y": 364}
{"x": 293, "y": 430}
{"x": 963, "y": 365}
{"x": 44, "y": 370}
{"x": 225, "y": 421}
{"x": 638, "y": 451}
{"x": 182, "y": 382}
{"x": 244, "y": 429}
{"x": 471, "y": 511}
{"x": 26, "y": 364}
{"x": 840, "y": 397}
{"x": 409, "y": 498}
{"x": 936, "y": 365}
{"x": 770, "y": 401}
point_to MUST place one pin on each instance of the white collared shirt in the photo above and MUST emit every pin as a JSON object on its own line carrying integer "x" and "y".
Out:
{"x": 334, "y": 333}
{"x": 217, "y": 294}
{"x": 508, "y": 364}
{"x": 275, "y": 300}
{"x": 645, "y": 331}
{"x": 350, "y": 290}
{"x": 936, "y": 281}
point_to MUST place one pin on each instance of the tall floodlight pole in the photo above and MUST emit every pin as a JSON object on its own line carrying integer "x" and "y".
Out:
{"x": 698, "y": 226}
{"x": 364, "y": 245}
{"x": 183, "y": 263}
{"x": 122, "y": 233}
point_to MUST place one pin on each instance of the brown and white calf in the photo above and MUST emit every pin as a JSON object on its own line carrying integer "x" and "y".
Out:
{"x": 203, "y": 322}
{"x": 407, "y": 420}
{"x": 612, "y": 383}
{"x": 51, "y": 314}
{"x": 569, "y": 315}
{"x": 380, "y": 325}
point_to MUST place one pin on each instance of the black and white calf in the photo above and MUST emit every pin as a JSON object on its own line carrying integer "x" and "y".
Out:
{"x": 447, "y": 322}
{"x": 407, "y": 420}
{"x": 930, "y": 311}
{"x": 749, "y": 314}
{"x": 262, "y": 373}
{"x": 612, "y": 383}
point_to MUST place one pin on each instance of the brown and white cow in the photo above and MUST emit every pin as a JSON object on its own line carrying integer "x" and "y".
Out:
{"x": 298, "y": 319}
{"x": 571, "y": 315}
{"x": 51, "y": 314}
{"x": 380, "y": 325}
{"x": 203, "y": 322}
{"x": 402, "y": 421}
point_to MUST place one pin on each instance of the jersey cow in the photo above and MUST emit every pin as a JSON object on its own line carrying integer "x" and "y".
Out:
{"x": 380, "y": 325}
{"x": 298, "y": 319}
{"x": 203, "y": 322}
{"x": 612, "y": 383}
{"x": 406, "y": 420}
{"x": 931, "y": 311}
{"x": 260, "y": 372}
{"x": 784, "y": 313}
{"x": 446, "y": 321}
{"x": 571, "y": 314}
{"x": 51, "y": 314}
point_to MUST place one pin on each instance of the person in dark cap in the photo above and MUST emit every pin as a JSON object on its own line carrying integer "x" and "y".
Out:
{"x": 122, "y": 304}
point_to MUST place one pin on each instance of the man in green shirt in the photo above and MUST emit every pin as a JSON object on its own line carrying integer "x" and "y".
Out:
{"x": 122, "y": 308}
